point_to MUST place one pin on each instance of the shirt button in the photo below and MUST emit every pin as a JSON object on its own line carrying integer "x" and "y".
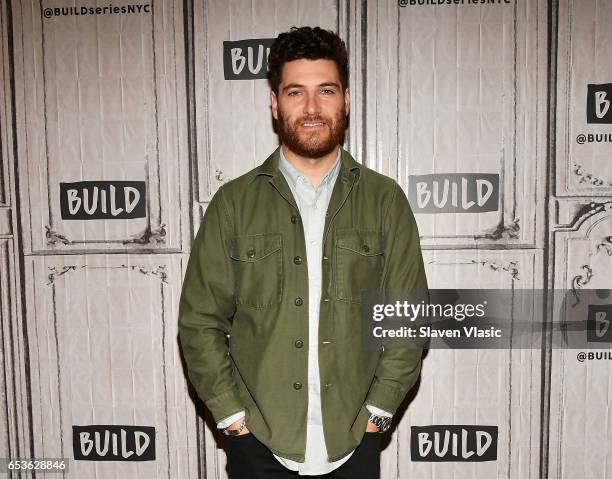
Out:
{"x": 297, "y": 260}
{"x": 297, "y": 385}
{"x": 294, "y": 219}
{"x": 298, "y": 343}
{"x": 299, "y": 301}
{"x": 251, "y": 253}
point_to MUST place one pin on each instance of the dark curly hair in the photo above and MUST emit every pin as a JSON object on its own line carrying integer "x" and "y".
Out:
{"x": 310, "y": 43}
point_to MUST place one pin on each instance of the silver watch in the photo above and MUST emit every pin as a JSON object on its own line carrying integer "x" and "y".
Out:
{"x": 382, "y": 422}
{"x": 235, "y": 432}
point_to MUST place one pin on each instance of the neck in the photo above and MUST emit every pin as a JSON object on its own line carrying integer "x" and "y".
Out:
{"x": 314, "y": 168}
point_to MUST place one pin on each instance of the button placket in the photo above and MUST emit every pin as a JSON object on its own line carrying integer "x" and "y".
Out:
{"x": 311, "y": 209}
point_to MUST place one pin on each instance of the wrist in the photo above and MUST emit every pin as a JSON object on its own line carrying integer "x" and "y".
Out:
{"x": 383, "y": 423}
{"x": 234, "y": 432}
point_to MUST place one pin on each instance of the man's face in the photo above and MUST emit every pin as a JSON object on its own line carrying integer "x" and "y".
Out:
{"x": 310, "y": 107}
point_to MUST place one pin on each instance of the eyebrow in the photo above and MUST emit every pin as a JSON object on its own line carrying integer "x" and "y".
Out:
{"x": 297, "y": 85}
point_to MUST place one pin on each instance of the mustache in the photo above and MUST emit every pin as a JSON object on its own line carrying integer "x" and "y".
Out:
{"x": 311, "y": 119}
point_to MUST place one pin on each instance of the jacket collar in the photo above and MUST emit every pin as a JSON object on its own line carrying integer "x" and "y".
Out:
{"x": 348, "y": 167}
{"x": 348, "y": 176}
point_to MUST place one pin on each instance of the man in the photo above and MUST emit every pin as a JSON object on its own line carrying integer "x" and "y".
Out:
{"x": 278, "y": 266}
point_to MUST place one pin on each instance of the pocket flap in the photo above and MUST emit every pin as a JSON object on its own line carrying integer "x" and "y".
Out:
{"x": 254, "y": 247}
{"x": 364, "y": 242}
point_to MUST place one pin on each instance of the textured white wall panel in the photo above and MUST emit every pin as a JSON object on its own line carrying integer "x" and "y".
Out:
{"x": 103, "y": 339}
{"x": 484, "y": 387}
{"x": 101, "y": 97}
{"x": 580, "y": 396}
{"x": 461, "y": 89}
{"x": 583, "y": 57}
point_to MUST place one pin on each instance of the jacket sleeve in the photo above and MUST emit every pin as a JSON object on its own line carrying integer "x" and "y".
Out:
{"x": 206, "y": 308}
{"x": 399, "y": 365}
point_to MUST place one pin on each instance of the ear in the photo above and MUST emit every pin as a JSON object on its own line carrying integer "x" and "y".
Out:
{"x": 274, "y": 104}
{"x": 347, "y": 101}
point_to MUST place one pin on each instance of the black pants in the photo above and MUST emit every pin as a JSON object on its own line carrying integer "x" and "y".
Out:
{"x": 248, "y": 458}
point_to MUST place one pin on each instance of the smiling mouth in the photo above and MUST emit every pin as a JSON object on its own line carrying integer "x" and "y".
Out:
{"x": 312, "y": 124}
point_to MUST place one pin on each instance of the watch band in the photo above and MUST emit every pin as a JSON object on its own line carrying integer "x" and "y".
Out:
{"x": 383, "y": 423}
{"x": 234, "y": 432}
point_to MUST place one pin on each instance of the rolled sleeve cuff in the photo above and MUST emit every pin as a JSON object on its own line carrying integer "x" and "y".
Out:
{"x": 230, "y": 420}
{"x": 385, "y": 397}
{"x": 224, "y": 404}
{"x": 378, "y": 411}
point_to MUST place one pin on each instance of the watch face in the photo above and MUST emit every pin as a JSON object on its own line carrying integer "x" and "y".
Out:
{"x": 384, "y": 424}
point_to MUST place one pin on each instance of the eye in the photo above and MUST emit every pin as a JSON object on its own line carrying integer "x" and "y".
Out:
{"x": 293, "y": 93}
{"x": 328, "y": 92}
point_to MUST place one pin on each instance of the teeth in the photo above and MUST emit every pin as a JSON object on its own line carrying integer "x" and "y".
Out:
{"x": 311, "y": 124}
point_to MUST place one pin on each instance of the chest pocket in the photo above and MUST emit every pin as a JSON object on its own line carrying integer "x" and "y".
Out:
{"x": 359, "y": 262}
{"x": 258, "y": 268}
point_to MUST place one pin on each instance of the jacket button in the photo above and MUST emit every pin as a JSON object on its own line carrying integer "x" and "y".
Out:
{"x": 299, "y": 301}
{"x": 297, "y": 260}
{"x": 326, "y": 300}
{"x": 325, "y": 258}
{"x": 293, "y": 219}
{"x": 298, "y": 343}
{"x": 297, "y": 385}
{"x": 251, "y": 253}
{"x": 365, "y": 248}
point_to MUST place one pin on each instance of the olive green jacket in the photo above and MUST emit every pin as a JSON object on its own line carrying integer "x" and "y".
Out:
{"x": 246, "y": 280}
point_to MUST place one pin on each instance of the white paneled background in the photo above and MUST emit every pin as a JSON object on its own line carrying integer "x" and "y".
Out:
{"x": 89, "y": 307}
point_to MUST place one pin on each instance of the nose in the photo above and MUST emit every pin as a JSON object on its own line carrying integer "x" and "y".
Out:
{"x": 312, "y": 106}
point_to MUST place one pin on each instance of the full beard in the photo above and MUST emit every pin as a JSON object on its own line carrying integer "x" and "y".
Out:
{"x": 315, "y": 144}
